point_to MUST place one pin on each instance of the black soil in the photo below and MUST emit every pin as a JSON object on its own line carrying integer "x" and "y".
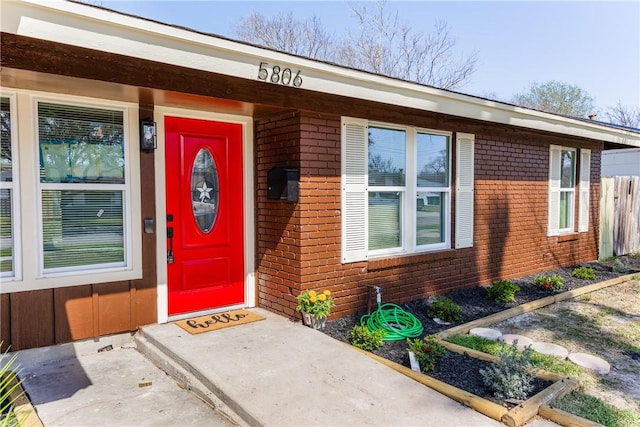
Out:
{"x": 459, "y": 370}
{"x": 463, "y": 372}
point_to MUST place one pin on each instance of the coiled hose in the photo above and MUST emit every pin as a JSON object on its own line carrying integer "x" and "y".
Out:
{"x": 396, "y": 323}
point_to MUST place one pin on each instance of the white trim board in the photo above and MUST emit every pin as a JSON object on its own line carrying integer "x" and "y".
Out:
{"x": 160, "y": 113}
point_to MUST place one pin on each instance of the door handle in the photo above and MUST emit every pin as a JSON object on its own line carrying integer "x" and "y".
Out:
{"x": 170, "y": 251}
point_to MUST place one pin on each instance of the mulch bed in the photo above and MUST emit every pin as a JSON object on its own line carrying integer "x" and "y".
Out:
{"x": 458, "y": 370}
{"x": 463, "y": 372}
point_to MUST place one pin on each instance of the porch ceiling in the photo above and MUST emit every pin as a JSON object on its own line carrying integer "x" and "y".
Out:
{"x": 45, "y": 82}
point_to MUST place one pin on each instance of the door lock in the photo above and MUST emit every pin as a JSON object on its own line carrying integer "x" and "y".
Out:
{"x": 170, "y": 251}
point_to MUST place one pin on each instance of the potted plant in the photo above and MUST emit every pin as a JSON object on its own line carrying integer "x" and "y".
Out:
{"x": 315, "y": 307}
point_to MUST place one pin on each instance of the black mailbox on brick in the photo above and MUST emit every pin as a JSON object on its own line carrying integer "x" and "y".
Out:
{"x": 282, "y": 184}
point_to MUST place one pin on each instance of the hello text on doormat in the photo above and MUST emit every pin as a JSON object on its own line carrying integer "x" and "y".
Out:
{"x": 213, "y": 322}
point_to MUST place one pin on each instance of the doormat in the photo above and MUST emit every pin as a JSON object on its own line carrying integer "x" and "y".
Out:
{"x": 213, "y": 322}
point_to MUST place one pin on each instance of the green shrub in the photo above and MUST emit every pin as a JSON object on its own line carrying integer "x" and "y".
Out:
{"x": 509, "y": 376}
{"x": 546, "y": 362}
{"x": 549, "y": 283}
{"x": 428, "y": 351}
{"x": 8, "y": 384}
{"x": 620, "y": 265}
{"x": 585, "y": 273}
{"x": 445, "y": 309}
{"x": 502, "y": 291}
{"x": 363, "y": 338}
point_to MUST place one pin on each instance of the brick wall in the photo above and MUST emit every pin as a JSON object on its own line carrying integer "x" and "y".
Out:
{"x": 299, "y": 243}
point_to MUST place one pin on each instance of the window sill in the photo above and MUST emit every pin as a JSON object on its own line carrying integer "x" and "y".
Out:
{"x": 568, "y": 237}
{"x": 61, "y": 281}
{"x": 405, "y": 260}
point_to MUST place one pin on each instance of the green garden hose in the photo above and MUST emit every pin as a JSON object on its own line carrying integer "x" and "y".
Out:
{"x": 397, "y": 323}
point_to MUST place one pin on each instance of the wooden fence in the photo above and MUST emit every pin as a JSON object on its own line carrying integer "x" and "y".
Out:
{"x": 619, "y": 215}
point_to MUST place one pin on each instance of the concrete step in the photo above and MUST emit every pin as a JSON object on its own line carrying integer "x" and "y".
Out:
{"x": 523, "y": 341}
{"x": 488, "y": 333}
{"x": 551, "y": 349}
{"x": 187, "y": 377}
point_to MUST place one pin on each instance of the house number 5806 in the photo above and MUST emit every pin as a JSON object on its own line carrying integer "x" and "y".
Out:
{"x": 277, "y": 74}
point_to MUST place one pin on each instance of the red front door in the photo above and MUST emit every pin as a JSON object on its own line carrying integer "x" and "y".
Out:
{"x": 205, "y": 251}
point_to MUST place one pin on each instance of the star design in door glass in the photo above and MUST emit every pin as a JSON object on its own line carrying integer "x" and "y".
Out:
{"x": 204, "y": 191}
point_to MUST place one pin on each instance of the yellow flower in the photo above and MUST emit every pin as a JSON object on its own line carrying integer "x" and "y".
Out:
{"x": 312, "y": 294}
{"x": 322, "y": 297}
{"x": 327, "y": 292}
{"x": 312, "y": 298}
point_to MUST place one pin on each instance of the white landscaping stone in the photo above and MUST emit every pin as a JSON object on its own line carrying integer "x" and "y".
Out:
{"x": 488, "y": 333}
{"x": 511, "y": 338}
{"x": 591, "y": 362}
{"x": 550, "y": 349}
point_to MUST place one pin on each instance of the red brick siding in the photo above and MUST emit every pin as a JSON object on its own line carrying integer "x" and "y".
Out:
{"x": 299, "y": 243}
{"x": 278, "y": 222}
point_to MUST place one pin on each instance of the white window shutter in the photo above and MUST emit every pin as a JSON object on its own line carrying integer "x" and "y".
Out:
{"x": 354, "y": 145}
{"x": 585, "y": 177}
{"x": 555, "y": 157}
{"x": 464, "y": 189}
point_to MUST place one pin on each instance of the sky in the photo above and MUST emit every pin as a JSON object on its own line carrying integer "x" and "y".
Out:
{"x": 592, "y": 44}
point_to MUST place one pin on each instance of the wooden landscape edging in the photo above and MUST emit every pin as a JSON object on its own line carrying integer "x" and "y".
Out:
{"x": 564, "y": 418}
{"x": 530, "y": 306}
{"x": 531, "y": 407}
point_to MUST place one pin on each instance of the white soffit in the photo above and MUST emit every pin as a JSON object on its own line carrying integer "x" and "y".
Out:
{"x": 93, "y": 28}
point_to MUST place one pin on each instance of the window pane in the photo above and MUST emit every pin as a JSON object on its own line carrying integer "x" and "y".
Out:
{"x": 82, "y": 228}
{"x": 387, "y": 157}
{"x": 566, "y": 200}
{"x": 433, "y": 160}
{"x": 5, "y": 140}
{"x": 204, "y": 190}
{"x": 6, "y": 233}
{"x": 430, "y": 218}
{"x": 384, "y": 220}
{"x": 80, "y": 144}
{"x": 568, "y": 179}
{"x": 6, "y": 171}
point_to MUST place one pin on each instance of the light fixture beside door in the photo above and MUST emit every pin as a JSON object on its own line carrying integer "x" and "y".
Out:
{"x": 147, "y": 136}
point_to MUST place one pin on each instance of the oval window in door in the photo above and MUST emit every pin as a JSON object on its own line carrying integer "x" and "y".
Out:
{"x": 204, "y": 190}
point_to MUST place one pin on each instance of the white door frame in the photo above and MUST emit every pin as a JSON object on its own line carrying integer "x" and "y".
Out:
{"x": 160, "y": 113}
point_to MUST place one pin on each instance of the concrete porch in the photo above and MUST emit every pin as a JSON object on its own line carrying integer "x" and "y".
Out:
{"x": 270, "y": 372}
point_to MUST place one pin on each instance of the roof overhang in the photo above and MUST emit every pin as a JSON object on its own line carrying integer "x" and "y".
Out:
{"x": 101, "y": 29}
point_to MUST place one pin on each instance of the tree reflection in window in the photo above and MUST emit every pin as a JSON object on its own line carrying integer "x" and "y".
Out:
{"x": 80, "y": 144}
{"x": 387, "y": 157}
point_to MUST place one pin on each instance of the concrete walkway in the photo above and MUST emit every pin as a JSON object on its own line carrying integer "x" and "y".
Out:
{"x": 276, "y": 372}
{"x": 272, "y": 372}
{"x": 75, "y": 385}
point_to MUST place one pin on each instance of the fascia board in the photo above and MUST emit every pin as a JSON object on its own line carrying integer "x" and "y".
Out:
{"x": 85, "y": 26}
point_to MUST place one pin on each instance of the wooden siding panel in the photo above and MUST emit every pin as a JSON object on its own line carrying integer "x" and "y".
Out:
{"x": 5, "y": 322}
{"x": 32, "y": 320}
{"x": 113, "y": 307}
{"x": 73, "y": 313}
{"x": 144, "y": 293}
{"x": 144, "y": 303}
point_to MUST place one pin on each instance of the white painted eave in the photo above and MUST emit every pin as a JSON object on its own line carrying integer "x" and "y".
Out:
{"x": 89, "y": 27}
